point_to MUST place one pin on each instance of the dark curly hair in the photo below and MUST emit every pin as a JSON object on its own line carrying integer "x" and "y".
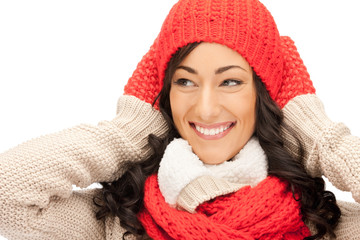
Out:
{"x": 124, "y": 197}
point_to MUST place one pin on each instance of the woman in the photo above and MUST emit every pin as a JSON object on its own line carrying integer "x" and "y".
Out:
{"x": 217, "y": 105}
{"x": 37, "y": 201}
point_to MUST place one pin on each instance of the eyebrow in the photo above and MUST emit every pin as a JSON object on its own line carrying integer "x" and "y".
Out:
{"x": 188, "y": 69}
{"x": 223, "y": 69}
{"x": 218, "y": 71}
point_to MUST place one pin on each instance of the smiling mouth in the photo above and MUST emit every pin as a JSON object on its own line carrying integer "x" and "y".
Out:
{"x": 212, "y": 132}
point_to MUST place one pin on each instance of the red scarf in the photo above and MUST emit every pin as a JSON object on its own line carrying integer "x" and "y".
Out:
{"x": 267, "y": 211}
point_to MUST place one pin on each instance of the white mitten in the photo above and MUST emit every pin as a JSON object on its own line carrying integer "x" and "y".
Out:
{"x": 178, "y": 167}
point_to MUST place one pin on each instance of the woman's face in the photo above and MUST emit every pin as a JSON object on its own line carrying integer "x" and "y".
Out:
{"x": 213, "y": 99}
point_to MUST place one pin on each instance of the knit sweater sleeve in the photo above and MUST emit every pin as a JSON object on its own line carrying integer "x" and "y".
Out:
{"x": 36, "y": 177}
{"x": 330, "y": 149}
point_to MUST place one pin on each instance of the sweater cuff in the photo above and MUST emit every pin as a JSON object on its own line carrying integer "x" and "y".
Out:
{"x": 305, "y": 116}
{"x": 139, "y": 119}
{"x": 203, "y": 189}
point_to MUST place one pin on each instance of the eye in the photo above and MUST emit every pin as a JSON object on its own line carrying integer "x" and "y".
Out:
{"x": 231, "y": 82}
{"x": 184, "y": 82}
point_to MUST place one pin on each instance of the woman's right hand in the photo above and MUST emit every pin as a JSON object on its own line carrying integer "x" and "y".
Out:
{"x": 37, "y": 177}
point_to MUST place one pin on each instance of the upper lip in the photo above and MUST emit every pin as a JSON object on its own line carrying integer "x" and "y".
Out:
{"x": 211, "y": 126}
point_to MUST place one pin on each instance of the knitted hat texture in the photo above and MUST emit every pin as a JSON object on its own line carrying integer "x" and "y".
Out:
{"x": 245, "y": 26}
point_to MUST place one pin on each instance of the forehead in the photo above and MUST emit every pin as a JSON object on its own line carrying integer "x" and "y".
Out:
{"x": 214, "y": 55}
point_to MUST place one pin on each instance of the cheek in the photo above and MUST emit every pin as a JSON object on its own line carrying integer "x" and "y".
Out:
{"x": 173, "y": 105}
{"x": 249, "y": 111}
{"x": 245, "y": 112}
{"x": 178, "y": 110}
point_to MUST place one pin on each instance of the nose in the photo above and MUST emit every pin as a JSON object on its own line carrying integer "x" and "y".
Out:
{"x": 207, "y": 106}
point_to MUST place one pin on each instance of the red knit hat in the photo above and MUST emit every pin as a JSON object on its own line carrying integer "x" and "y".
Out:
{"x": 245, "y": 26}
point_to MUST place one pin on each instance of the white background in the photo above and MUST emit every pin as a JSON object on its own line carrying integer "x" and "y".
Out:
{"x": 65, "y": 62}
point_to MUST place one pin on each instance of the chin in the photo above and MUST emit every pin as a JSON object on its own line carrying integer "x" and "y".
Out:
{"x": 214, "y": 156}
{"x": 212, "y": 160}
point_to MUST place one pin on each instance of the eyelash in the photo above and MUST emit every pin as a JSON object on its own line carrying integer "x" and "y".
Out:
{"x": 237, "y": 82}
{"x": 183, "y": 82}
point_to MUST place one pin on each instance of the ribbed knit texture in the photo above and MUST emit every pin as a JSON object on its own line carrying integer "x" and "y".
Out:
{"x": 267, "y": 211}
{"x": 180, "y": 166}
{"x": 330, "y": 149}
{"x": 202, "y": 188}
{"x": 36, "y": 196}
{"x": 41, "y": 168}
{"x": 245, "y": 26}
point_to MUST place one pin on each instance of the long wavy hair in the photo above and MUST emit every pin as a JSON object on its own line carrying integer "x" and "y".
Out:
{"x": 124, "y": 197}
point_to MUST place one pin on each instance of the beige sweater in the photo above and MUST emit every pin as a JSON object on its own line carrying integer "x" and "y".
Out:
{"x": 36, "y": 177}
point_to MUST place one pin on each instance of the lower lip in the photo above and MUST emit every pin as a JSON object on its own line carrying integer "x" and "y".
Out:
{"x": 213, "y": 137}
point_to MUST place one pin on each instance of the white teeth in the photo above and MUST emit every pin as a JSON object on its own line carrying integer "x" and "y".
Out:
{"x": 201, "y": 130}
{"x": 197, "y": 128}
{"x": 212, "y": 131}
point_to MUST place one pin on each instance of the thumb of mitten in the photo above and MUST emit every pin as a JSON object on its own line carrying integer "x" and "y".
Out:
{"x": 296, "y": 79}
{"x": 178, "y": 167}
{"x": 144, "y": 82}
